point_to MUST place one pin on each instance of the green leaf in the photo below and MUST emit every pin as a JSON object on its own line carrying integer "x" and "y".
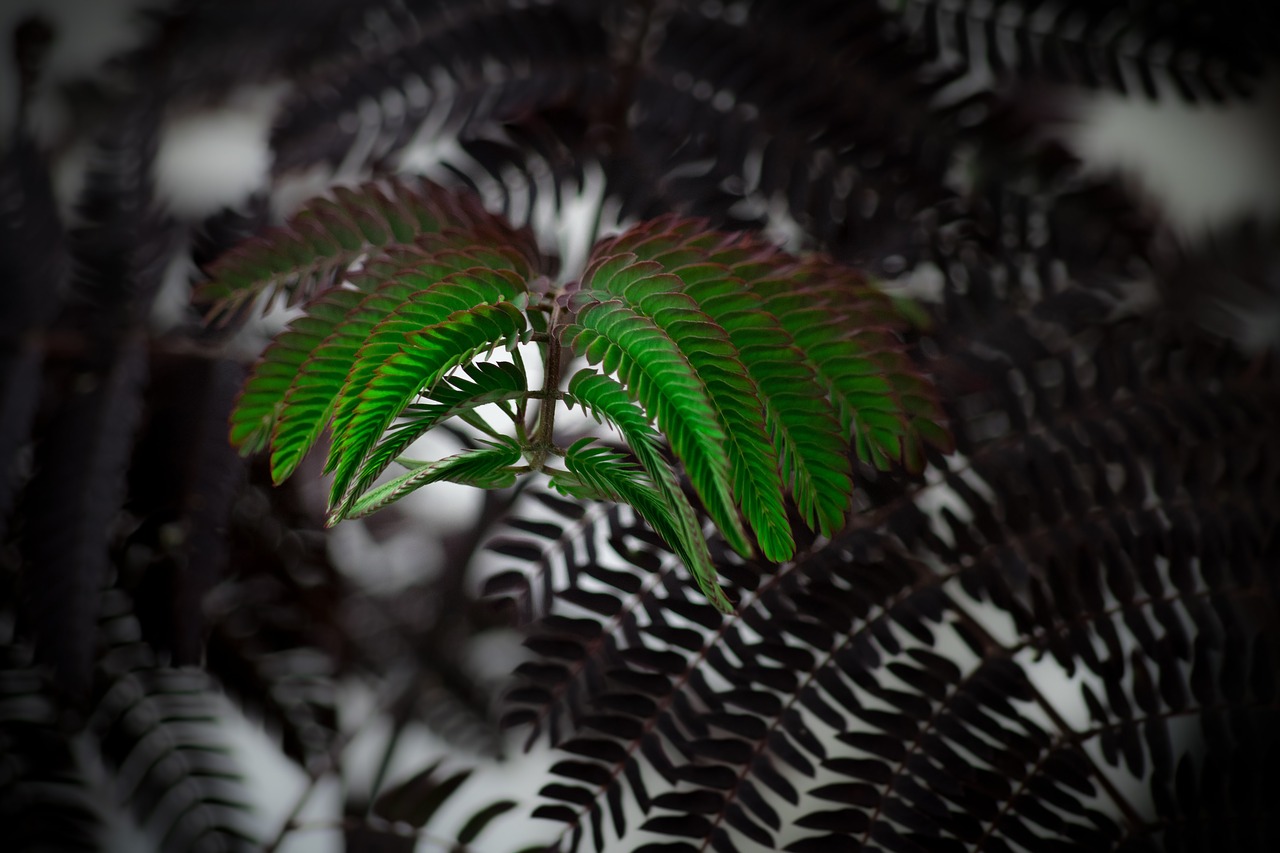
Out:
{"x": 846, "y": 330}
{"x": 261, "y": 402}
{"x": 309, "y": 401}
{"x": 758, "y": 367}
{"x": 605, "y": 398}
{"x": 658, "y": 375}
{"x": 600, "y": 473}
{"x": 408, "y": 368}
{"x": 453, "y": 396}
{"x": 753, "y": 461}
{"x": 487, "y": 467}
{"x": 429, "y": 298}
{"x": 795, "y": 405}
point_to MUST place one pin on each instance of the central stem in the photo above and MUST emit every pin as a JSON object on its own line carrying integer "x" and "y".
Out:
{"x": 543, "y": 437}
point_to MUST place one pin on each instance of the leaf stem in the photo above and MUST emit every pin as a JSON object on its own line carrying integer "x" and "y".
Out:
{"x": 522, "y": 404}
{"x": 544, "y": 435}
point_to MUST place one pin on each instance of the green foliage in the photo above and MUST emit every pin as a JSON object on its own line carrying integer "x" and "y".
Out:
{"x": 759, "y": 368}
{"x": 323, "y": 240}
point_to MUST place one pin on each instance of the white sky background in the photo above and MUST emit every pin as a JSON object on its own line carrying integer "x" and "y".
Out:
{"x": 1204, "y": 164}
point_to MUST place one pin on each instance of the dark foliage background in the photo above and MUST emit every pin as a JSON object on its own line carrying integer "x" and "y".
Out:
{"x": 1062, "y": 636}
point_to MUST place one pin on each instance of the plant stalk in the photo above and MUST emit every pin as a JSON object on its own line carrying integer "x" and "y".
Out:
{"x": 544, "y": 436}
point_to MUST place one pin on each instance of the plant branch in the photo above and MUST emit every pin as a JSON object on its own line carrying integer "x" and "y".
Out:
{"x": 544, "y": 436}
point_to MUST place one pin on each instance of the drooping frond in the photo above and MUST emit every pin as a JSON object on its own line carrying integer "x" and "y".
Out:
{"x": 756, "y": 365}
{"x": 607, "y": 400}
{"x": 423, "y": 304}
{"x": 599, "y": 473}
{"x": 753, "y": 461}
{"x": 487, "y": 468}
{"x": 260, "y": 405}
{"x": 453, "y": 396}
{"x": 160, "y": 729}
{"x": 432, "y": 349}
{"x": 300, "y": 410}
{"x": 842, "y": 329}
{"x": 447, "y": 72}
{"x": 655, "y": 370}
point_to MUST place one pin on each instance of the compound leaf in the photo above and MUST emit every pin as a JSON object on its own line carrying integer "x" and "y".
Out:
{"x": 599, "y": 473}
{"x": 487, "y": 467}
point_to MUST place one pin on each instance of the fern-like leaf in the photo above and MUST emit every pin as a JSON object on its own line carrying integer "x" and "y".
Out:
{"x": 845, "y": 330}
{"x": 398, "y": 377}
{"x": 769, "y": 363}
{"x": 310, "y": 397}
{"x": 756, "y": 366}
{"x": 453, "y": 396}
{"x": 796, "y": 409}
{"x": 487, "y": 468}
{"x": 606, "y": 399}
{"x": 659, "y": 375}
{"x": 753, "y": 462}
{"x": 602, "y": 474}
{"x": 261, "y": 403}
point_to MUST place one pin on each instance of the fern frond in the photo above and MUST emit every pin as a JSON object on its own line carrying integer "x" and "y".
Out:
{"x": 323, "y": 239}
{"x": 453, "y": 396}
{"x": 308, "y": 400}
{"x": 489, "y": 66}
{"x": 785, "y": 358}
{"x": 1122, "y": 47}
{"x": 408, "y": 352}
{"x": 261, "y": 402}
{"x": 161, "y": 730}
{"x": 842, "y": 326}
{"x": 740, "y": 353}
{"x": 606, "y": 399}
{"x": 659, "y": 375}
{"x": 599, "y": 473}
{"x": 814, "y": 459}
{"x": 753, "y": 462}
{"x": 487, "y": 468}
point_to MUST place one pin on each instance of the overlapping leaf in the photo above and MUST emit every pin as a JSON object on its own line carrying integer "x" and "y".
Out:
{"x": 453, "y": 325}
{"x": 656, "y": 371}
{"x": 298, "y": 411}
{"x": 486, "y": 468}
{"x": 453, "y": 396}
{"x": 606, "y": 399}
{"x": 602, "y": 474}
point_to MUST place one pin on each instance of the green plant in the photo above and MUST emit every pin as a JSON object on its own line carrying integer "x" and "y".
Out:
{"x": 757, "y": 366}
{"x": 1061, "y": 636}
